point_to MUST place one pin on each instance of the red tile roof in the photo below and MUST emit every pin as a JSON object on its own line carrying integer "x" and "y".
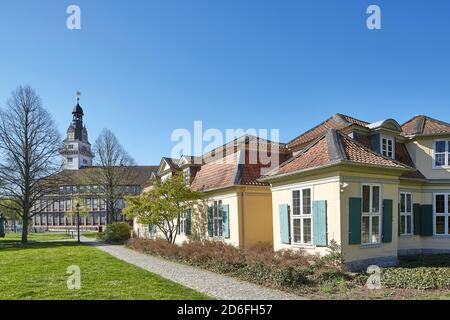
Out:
{"x": 333, "y": 148}
{"x": 338, "y": 121}
{"x": 424, "y": 125}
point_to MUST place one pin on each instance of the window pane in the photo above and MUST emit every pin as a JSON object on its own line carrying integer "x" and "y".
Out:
{"x": 375, "y": 229}
{"x": 296, "y": 202}
{"x": 307, "y": 230}
{"x": 365, "y": 229}
{"x": 440, "y": 159}
{"x": 366, "y": 198}
{"x": 297, "y": 231}
{"x": 440, "y": 203}
{"x": 440, "y": 225}
{"x": 408, "y": 224}
{"x": 440, "y": 146}
{"x": 402, "y": 224}
{"x": 402, "y": 202}
{"x": 376, "y": 199}
{"x": 408, "y": 203}
{"x": 307, "y": 201}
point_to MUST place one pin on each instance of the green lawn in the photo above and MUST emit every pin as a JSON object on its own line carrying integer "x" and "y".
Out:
{"x": 32, "y": 237}
{"x": 90, "y": 234}
{"x": 38, "y": 271}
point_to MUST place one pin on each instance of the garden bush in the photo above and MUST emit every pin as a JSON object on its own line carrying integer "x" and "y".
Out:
{"x": 117, "y": 232}
{"x": 258, "y": 263}
{"x": 422, "y": 278}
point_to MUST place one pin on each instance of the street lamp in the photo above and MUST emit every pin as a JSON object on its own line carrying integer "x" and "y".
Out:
{"x": 78, "y": 221}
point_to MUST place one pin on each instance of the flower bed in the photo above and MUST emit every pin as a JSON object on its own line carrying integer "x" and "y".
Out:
{"x": 258, "y": 264}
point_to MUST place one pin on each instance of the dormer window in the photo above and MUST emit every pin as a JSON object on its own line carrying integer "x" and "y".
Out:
{"x": 441, "y": 154}
{"x": 388, "y": 147}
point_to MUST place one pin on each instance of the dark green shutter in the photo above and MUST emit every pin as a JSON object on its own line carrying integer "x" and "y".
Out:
{"x": 188, "y": 226}
{"x": 426, "y": 220}
{"x": 416, "y": 217}
{"x": 210, "y": 221}
{"x": 387, "y": 220}
{"x": 320, "y": 237}
{"x": 355, "y": 216}
{"x": 2, "y": 227}
{"x": 226, "y": 221}
{"x": 285, "y": 230}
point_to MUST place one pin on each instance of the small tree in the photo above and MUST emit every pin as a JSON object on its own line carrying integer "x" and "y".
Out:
{"x": 163, "y": 205}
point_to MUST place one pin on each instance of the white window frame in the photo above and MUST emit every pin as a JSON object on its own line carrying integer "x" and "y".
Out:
{"x": 218, "y": 219}
{"x": 182, "y": 223}
{"x": 372, "y": 214}
{"x": 407, "y": 213}
{"x": 386, "y": 151}
{"x": 446, "y": 214}
{"x": 302, "y": 217}
{"x": 446, "y": 154}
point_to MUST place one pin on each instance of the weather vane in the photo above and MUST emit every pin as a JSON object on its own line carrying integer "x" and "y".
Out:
{"x": 78, "y": 96}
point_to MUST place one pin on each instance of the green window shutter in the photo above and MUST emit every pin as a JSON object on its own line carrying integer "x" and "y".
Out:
{"x": 210, "y": 221}
{"x": 2, "y": 227}
{"x": 285, "y": 230}
{"x": 426, "y": 220}
{"x": 188, "y": 226}
{"x": 387, "y": 220}
{"x": 416, "y": 217}
{"x": 320, "y": 237}
{"x": 226, "y": 221}
{"x": 355, "y": 216}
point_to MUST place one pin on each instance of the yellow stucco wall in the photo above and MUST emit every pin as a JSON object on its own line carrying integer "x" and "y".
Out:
{"x": 256, "y": 215}
{"x": 421, "y": 151}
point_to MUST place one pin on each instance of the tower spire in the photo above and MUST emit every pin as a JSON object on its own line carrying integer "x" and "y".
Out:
{"x": 78, "y": 97}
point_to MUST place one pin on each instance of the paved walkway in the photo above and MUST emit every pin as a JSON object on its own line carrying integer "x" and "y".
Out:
{"x": 215, "y": 285}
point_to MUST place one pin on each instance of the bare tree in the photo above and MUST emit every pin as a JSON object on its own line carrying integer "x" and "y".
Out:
{"x": 114, "y": 171}
{"x": 29, "y": 145}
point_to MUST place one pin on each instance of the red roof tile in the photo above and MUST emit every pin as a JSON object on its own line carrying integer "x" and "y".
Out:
{"x": 333, "y": 148}
{"x": 338, "y": 121}
{"x": 423, "y": 125}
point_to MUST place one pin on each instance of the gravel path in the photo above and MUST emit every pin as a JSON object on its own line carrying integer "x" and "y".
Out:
{"x": 215, "y": 285}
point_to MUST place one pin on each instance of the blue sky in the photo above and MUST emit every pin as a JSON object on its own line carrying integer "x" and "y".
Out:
{"x": 146, "y": 68}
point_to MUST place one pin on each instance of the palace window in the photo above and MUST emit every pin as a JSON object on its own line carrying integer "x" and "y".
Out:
{"x": 387, "y": 147}
{"x": 302, "y": 216}
{"x": 441, "y": 153}
{"x": 371, "y": 215}
{"x": 406, "y": 214}
{"x": 187, "y": 176}
{"x": 442, "y": 214}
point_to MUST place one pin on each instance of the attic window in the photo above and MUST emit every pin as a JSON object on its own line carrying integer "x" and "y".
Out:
{"x": 441, "y": 154}
{"x": 387, "y": 147}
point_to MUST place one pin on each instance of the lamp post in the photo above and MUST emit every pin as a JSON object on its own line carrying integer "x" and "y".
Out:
{"x": 78, "y": 221}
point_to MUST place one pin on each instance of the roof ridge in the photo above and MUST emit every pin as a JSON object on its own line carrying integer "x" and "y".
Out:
{"x": 311, "y": 129}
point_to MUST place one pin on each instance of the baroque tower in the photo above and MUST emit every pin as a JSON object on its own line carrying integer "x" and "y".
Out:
{"x": 77, "y": 152}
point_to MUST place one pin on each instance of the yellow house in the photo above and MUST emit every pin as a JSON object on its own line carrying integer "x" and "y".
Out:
{"x": 239, "y": 207}
{"x": 378, "y": 190}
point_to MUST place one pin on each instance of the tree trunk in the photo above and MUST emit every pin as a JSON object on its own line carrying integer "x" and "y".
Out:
{"x": 25, "y": 227}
